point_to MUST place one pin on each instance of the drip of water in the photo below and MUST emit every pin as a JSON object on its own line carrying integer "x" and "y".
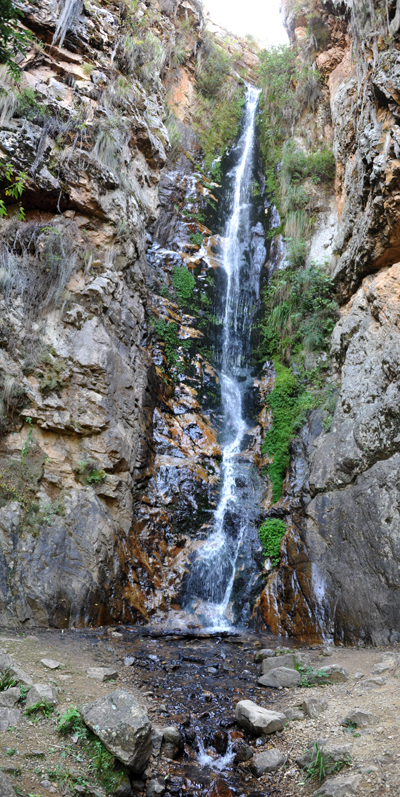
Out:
{"x": 218, "y": 561}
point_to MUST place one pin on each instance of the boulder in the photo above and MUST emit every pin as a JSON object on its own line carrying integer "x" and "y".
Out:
{"x": 6, "y": 786}
{"x": 383, "y": 666}
{"x": 123, "y": 727}
{"x": 333, "y": 673}
{"x": 271, "y": 663}
{"x": 258, "y": 720}
{"x": 265, "y": 653}
{"x": 102, "y": 673}
{"x": 280, "y": 677}
{"x": 360, "y": 718}
{"x": 41, "y": 692}
{"x": 341, "y": 786}
{"x": 8, "y": 718}
{"x": 372, "y": 683}
{"x": 10, "y": 697}
{"x": 266, "y": 762}
{"x": 314, "y": 706}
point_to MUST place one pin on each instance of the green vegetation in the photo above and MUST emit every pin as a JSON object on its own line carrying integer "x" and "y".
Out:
{"x": 90, "y": 472}
{"x": 166, "y": 331}
{"x": 13, "y": 39}
{"x": 323, "y": 764}
{"x": 102, "y": 764}
{"x": 183, "y": 282}
{"x": 15, "y": 189}
{"x": 42, "y": 707}
{"x": 7, "y": 681}
{"x": 197, "y": 238}
{"x": 271, "y": 533}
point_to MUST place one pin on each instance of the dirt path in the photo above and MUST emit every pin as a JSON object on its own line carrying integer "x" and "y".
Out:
{"x": 195, "y": 684}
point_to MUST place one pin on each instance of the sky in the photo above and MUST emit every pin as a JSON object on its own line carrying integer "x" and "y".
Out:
{"x": 260, "y": 18}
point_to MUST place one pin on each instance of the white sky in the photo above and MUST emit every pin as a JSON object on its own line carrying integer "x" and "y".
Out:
{"x": 260, "y": 18}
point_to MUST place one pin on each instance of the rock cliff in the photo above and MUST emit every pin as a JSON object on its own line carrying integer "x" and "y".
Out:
{"x": 340, "y": 571}
{"x": 100, "y": 429}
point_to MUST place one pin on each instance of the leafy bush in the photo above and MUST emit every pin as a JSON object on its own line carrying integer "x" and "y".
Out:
{"x": 319, "y": 165}
{"x": 197, "y": 238}
{"x": 41, "y": 707}
{"x": 167, "y": 332}
{"x": 271, "y": 533}
{"x": 213, "y": 68}
{"x": 13, "y": 40}
{"x": 183, "y": 282}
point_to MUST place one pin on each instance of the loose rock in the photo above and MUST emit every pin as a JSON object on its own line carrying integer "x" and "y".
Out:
{"x": 294, "y": 713}
{"x": 155, "y": 788}
{"x": 341, "y": 786}
{"x": 244, "y": 753}
{"x": 372, "y": 683}
{"x": 314, "y": 706}
{"x": 265, "y": 653}
{"x": 280, "y": 677}
{"x": 360, "y": 718}
{"x": 333, "y": 673}
{"x": 6, "y": 787}
{"x": 41, "y": 692}
{"x": 266, "y": 762}
{"x": 10, "y": 697}
{"x": 51, "y": 664}
{"x": 270, "y": 663}
{"x": 102, "y": 673}
{"x": 258, "y": 720}
{"x": 123, "y": 727}
{"x": 8, "y": 718}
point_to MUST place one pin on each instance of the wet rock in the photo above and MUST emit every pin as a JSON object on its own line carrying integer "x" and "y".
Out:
{"x": 41, "y": 692}
{"x": 360, "y": 718}
{"x": 8, "y": 718}
{"x": 157, "y": 739}
{"x": 123, "y": 727}
{"x": 293, "y": 713}
{"x": 102, "y": 673}
{"x": 10, "y": 697}
{"x": 258, "y": 720}
{"x": 314, "y": 706}
{"x": 270, "y": 663}
{"x": 340, "y": 786}
{"x": 280, "y": 677}
{"x": 266, "y": 762}
{"x": 155, "y": 788}
{"x": 172, "y": 742}
{"x": 220, "y": 789}
{"x": 244, "y": 753}
{"x": 6, "y": 786}
{"x": 51, "y": 664}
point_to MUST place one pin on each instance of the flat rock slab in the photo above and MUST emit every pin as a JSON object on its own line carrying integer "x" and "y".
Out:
{"x": 51, "y": 664}
{"x": 102, "y": 673}
{"x": 43, "y": 692}
{"x": 271, "y": 663}
{"x": 266, "y": 762}
{"x": 6, "y": 786}
{"x": 258, "y": 720}
{"x": 373, "y": 683}
{"x": 294, "y": 713}
{"x": 314, "y": 706}
{"x": 10, "y": 697}
{"x": 8, "y": 718}
{"x": 383, "y": 666}
{"x": 341, "y": 786}
{"x": 265, "y": 653}
{"x": 360, "y": 718}
{"x": 333, "y": 673}
{"x": 123, "y": 727}
{"x": 280, "y": 677}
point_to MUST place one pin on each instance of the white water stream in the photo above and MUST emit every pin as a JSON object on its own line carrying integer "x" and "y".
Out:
{"x": 213, "y": 572}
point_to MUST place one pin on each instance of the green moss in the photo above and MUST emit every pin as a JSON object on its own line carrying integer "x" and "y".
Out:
{"x": 167, "y": 332}
{"x": 271, "y": 533}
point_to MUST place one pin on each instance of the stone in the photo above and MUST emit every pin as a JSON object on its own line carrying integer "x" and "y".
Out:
{"x": 102, "y": 673}
{"x": 314, "y": 706}
{"x": 358, "y": 675}
{"x": 9, "y": 717}
{"x": 50, "y": 664}
{"x": 360, "y": 718}
{"x": 294, "y": 713}
{"x": 267, "y": 761}
{"x": 383, "y": 666}
{"x": 333, "y": 673}
{"x": 41, "y": 692}
{"x": 128, "y": 661}
{"x": 327, "y": 651}
{"x": 271, "y": 663}
{"x": 280, "y": 677}
{"x": 244, "y": 753}
{"x": 333, "y": 754}
{"x": 7, "y": 665}
{"x": 258, "y": 720}
{"x": 157, "y": 740}
{"x": 155, "y": 788}
{"x": 265, "y": 653}
{"x": 6, "y": 786}
{"x": 10, "y": 697}
{"x": 123, "y": 727}
{"x": 340, "y": 786}
{"x": 373, "y": 683}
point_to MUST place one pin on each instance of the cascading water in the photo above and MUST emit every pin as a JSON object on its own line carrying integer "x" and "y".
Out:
{"x": 224, "y": 564}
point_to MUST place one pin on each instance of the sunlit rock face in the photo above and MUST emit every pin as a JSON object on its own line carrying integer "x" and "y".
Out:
{"x": 340, "y": 558}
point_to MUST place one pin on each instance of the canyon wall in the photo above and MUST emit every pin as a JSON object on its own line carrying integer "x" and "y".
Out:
{"x": 340, "y": 575}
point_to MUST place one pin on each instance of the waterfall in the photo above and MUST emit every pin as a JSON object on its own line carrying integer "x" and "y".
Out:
{"x": 210, "y": 585}
{"x": 68, "y": 14}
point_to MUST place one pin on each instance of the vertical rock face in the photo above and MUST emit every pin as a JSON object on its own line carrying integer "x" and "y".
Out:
{"x": 340, "y": 573}
{"x": 102, "y": 461}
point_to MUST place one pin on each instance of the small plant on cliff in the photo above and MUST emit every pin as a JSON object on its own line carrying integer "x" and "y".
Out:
{"x": 91, "y": 473}
{"x": 271, "y": 533}
{"x": 7, "y": 681}
{"x": 183, "y": 282}
{"x": 14, "y": 39}
{"x": 167, "y": 332}
{"x": 15, "y": 189}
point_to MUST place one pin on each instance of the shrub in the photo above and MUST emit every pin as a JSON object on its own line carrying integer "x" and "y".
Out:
{"x": 212, "y": 69}
{"x": 271, "y": 533}
{"x": 166, "y": 331}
